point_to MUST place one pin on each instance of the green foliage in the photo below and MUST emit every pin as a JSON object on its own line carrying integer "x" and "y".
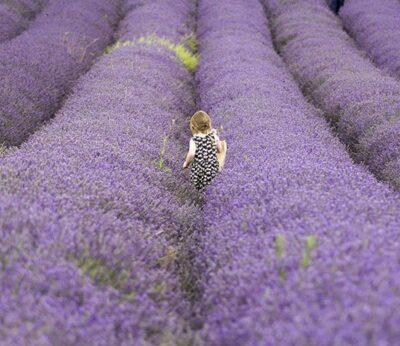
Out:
{"x": 159, "y": 287}
{"x": 118, "y": 45}
{"x": 311, "y": 242}
{"x": 17, "y": 287}
{"x": 279, "y": 251}
{"x": 3, "y": 262}
{"x": 187, "y": 58}
{"x": 160, "y": 161}
{"x": 192, "y": 42}
{"x": 2, "y": 148}
{"x": 282, "y": 274}
{"x": 130, "y": 296}
{"x": 306, "y": 259}
{"x": 101, "y": 274}
{"x": 157, "y": 291}
{"x": 279, "y": 245}
{"x": 168, "y": 259}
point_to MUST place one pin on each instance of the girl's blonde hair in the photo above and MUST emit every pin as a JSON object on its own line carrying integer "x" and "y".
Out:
{"x": 200, "y": 122}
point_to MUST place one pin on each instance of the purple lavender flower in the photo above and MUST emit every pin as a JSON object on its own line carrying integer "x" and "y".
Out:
{"x": 360, "y": 101}
{"x": 11, "y": 23}
{"x": 39, "y": 67}
{"x": 26, "y": 8}
{"x": 300, "y": 245}
{"x": 15, "y": 16}
{"x": 90, "y": 222}
{"x": 376, "y": 28}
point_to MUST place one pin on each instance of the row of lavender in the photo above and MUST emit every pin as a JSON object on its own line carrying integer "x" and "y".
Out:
{"x": 39, "y": 67}
{"x": 376, "y": 27}
{"x": 15, "y": 16}
{"x": 90, "y": 211}
{"x": 360, "y": 101}
{"x": 300, "y": 245}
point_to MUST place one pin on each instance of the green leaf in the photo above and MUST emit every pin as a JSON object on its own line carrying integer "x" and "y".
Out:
{"x": 279, "y": 245}
{"x": 306, "y": 259}
{"x": 282, "y": 274}
{"x": 311, "y": 242}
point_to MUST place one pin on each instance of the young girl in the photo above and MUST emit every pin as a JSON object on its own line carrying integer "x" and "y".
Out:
{"x": 205, "y": 150}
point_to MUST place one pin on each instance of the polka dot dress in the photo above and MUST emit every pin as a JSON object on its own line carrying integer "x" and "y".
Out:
{"x": 205, "y": 163}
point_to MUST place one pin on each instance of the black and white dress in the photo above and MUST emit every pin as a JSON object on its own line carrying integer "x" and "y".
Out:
{"x": 205, "y": 164}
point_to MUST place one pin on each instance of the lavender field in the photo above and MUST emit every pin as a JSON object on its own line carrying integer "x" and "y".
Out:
{"x": 104, "y": 241}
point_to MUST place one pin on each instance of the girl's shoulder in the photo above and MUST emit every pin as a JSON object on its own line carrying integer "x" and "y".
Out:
{"x": 196, "y": 139}
{"x": 204, "y": 136}
{"x": 197, "y": 136}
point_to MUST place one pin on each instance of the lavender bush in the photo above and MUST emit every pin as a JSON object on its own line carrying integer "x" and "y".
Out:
{"x": 39, "y": 67}
{"x": 361, "y": 103}
{"x": 15, "y": 16}
{"x": 300, "y": 245}
{"x": 93, "y": 205}
{"x": 11, "y": 23}
{"x": 26, "y": 8}
{"x": 376, "y": 27}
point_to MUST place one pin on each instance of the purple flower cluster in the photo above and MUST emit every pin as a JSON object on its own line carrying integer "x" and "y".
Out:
{"x": 376, "y": 28}
{"x": 361, "y": 102}
{"x": 26, "y": 8}
{"x": 15, "y": 17}
{"x": 300, "y": 245}
{"x": 147, "y": 20}
{"x": 93, "y": 205}
{"x": 39, "y": 67}
{"x": 11, "y": 23}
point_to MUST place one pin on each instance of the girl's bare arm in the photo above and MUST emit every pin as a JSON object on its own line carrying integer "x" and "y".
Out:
{"x": 190, "y": 154}
{"x": 219, "y": 145}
